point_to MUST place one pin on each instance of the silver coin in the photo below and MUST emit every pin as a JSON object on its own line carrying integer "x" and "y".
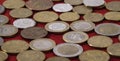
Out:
{"x": 2, "y": 9}
{"x": 1, "y": 41}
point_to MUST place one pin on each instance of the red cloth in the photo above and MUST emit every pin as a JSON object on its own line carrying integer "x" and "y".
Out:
{"x": 58, "y": 37}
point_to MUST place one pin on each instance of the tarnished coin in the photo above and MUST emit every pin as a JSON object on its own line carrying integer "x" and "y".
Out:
{"x": 57, "y": 59}
{"x": 31, "y": 55}
{"x": 113, "y": 5}
{"x": 75, "y": 37}
{"x": 39, "y": 4}
{"x": 45, "y": 16}
{"x": 68, "y": 50}
{"x": 62, "y": 7}
{"x": 69, "y": 16}
{"x": 8, "y": 30}
{"x": 12, "y": 4}
{"x": 2, "y": 9}
{"x": 3, "y": 19}
{"x": 33, "y": 33}
{"x": 3, "y": 55}
{"x": 57, "y": 26}
{"x": 94, "y": 55}
{"x": 24, "y": 23}
{"x": 74, "y": 2}
{"x": 114, "y": 49}
{"x": 82, "y": 26}
{"x": 108, "y": 29}
{"x": 93, "y": 17}
{"x": 1, "y": 41}
{"x": 15, "y": 46}
{"x": 20, "y": 13}
{"x": 42, "y": 44}
{"x": 114, "y": 16}
{"x": 100, "y": 41}
{"x": 82, "y": 9}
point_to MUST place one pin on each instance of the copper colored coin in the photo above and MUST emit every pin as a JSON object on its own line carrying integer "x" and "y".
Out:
{"x": 33, "y": 33}
{"x": 58, "y": 59}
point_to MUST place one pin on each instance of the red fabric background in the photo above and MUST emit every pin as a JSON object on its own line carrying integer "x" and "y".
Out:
{"x": 58, "y": 37}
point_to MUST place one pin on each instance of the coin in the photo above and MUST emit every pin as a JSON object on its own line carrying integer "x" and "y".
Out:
{"x": 20, "y": 13}
{"x": 3, "y": 55}
{"x": 57, "y": 59}
{"x": 81, "y": 9}
{"x": 57, "y": 26}
{"x": 93, "y": 17}
{"x": 75, "y": 37}
{"x": 8, "y": 30}
{"x": 62, "y": 7}
{"x": 81, "y": 25}
{"x": 15, "y": 46}
{"x": 113, "y": 6}
{"x": 64, "y": 50}
{"x": 39, "y": 4}
{"x": 119, "y": 37}
{"x": 69, "y": 16}
{"x": 42, "y": 44}
{"x": 24, "y": 23}
{"x": 33, "y": 33}
{"x": 3, "y": 19}
{"x": 108, "y": 29}
{"x": 31, "y": 55}
{"x": 2, "y": 9}
{"x": 1, "y": 41}
{"x": 74, "y": 2}
{"x": 94, "y": 55}
{"x": 45, "y": 16}
{"x": 114, "y": 49}
{"x": 56, "y": 0}
{"x": 114, "y": 16}
{"x": 12, "y": 4}
{"x": 100, "y": 41}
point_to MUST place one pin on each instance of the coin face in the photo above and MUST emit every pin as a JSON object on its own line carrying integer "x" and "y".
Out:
{"x": 75, "y": 37}
{"x": 31, "y": 55}
{"x": 2, "y": 9}
{"x": 57, "y": 26}
{"x": 3, "y": 19}
{"x": 58, "y": 59}
{"x": 108, "y": 29}
{"x": 74, "y": 2}
{"x": 3, "y": 55}
{"x": 1, "y": 41}
{"x": 43, "y": 44}
{"x": 119, "y": 37}
{"x": 15, "y": 46}
{"x": 20, "y": 13}
{"x": 84, "y": 26}
{"x": 94, "y": 55}
{"x": 24, "y": 23}
{"x": 100, "y": 41}
{"x": 45, "y": 16}
{"x": 69, "y": 16}
{"x": 33, "y": 33}
{"x": 8, "y": 30}
{"x": 64, "y": 50}
{"x": 39, "y": 4}
{"x": 62, "y": 7}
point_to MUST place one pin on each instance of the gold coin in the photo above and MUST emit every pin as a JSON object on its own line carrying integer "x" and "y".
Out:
{"x": 15, "y": 46}
{"x": 100, "y": 41}
{"x": 94, "y": 55}
{"x": 74, "y": 2}
{"x": 12, "y": 4}
{"x": 69, "y": 16}
{"x": 31, "y": 55}
{"x": 93, "y": 17}
{"x": 57, "y": 59}
{"x": 114, "y": 16}
{"x": 114, "y": 49}
{"x": 45, "y": 16}
{"x": 3, "y": 55}
{"x": 3, "y": 19}
{"x": 20, "y": 13}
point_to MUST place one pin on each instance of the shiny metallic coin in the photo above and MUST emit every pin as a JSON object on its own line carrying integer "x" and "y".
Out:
{"x": 108, "y": 29}
{"x": 57, "y": 26}
{"x": 57, "y": 59}
{"x": 20, "y": 13}
{"x": 39, "y": 4}
{"x": 31, "y": 55}
{"x": 64, "y": 50}
{"x": 3, "y": 19}
{"x": 15, "y": 46}
{"x": 84, "y": 26}
{"x": 100, "y": 41}
{"x": 74, "y": 2}
{"x": 75, "y": 37}
{"x": 3, "y": 55}
{"x": 45, "y": 16}
{"x": 94, "y": 55}
{"x": 42, "y": 44}
{"x": 1, "y": 41}
{"x": 2, "y": 9}
{"x": 62, "y": 7}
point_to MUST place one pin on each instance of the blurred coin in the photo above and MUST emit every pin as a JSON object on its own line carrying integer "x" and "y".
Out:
{"x": 74, "y": 2}
{"x": 57, "y": 59}
{"x": 3, "y": 19}
{"x": 2, "y": 9}
{"x": 3, "y": 55}
{"x": 1, "y": 41}
{"x": 119, "y": 37}
{"x": 56, "y": 0}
